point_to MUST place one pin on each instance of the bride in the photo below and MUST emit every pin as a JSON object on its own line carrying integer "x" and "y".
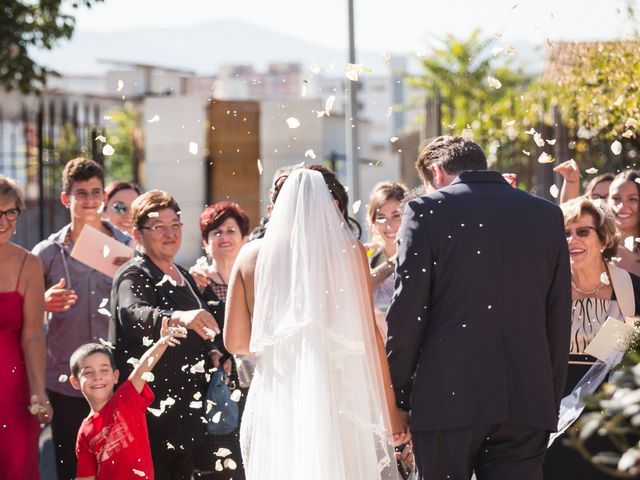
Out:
{"x": 321, "y": 404}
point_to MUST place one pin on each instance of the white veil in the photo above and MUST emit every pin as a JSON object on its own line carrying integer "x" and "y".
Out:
{"x": 316, "y": 408}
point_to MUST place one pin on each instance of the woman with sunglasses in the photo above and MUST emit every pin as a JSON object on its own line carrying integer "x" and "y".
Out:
{"x": 24, "y": 405}
{"x": 598, "y": 291}
{"x": 120, "y": 195}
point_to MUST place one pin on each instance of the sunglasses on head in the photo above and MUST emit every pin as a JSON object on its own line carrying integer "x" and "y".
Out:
{"x": 581, "y": 232}
{"x": 119, "y": 207}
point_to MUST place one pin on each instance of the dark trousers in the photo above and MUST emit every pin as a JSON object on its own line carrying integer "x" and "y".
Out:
{"x": 171, "y": 463}
{"x": 68, "y": 413}
{"x": 494, "y": 452}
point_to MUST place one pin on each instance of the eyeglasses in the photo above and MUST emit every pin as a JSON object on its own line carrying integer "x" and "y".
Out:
{"x": 581, "y": 232}
{"x": 160, "y": 228}
{"x": 12, "y": 214}
{"x": 229, "y": 232}
{"x": 84, "y": 195}
{"x": 120, "y": 208}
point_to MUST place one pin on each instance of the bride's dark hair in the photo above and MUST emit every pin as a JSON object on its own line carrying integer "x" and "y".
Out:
{"x": 336, "y": 189}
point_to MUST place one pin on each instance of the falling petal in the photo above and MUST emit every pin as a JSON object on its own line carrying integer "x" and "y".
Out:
{"x": 198, "y": 367}
{"x": 310, "y": 153}
{"x": 616, "y": 147}
{"x": 101, "y": 138}
{"x": 316, "y": 69}
{"x": 230, "y": 464}
{"x": 148, "y": 377}
{"x": 531, "y": 131}
{"x": 222, "y": 452}
{"x": 216, "y": 417}
{"x": 497, "y": 51}
{"x": 328, "y": 105}
{"x": 538, "y": 139}
{"x": 352, "y": 70}
{"x": 554, "y": 191}
{"x": 193, "y": 148}
{"x": 393, "y": 139}
{"x": 106, "y": 251}
{"x": 514, "y": 7}
{"x": 218, "y": 465}
{"x": 260, "y": 169}
{"x": 293, "y": 122}
{"x": 197, "y": 396}
{"x": 103, "y": 303}
{"x": 154, "y": 119}
{"x": 133, "y": 361}
{"x": 494, "y": 82}
{"x": 146, "y": 341}
{"x": 63, "y": 378}
{"x": 153, "y": 214}
{"x": 108, "y": 150}
{"x": 120, "y": 85}
{"x": 619, "y": 101}
{"x": 195, "y": 404}
{"x": 236, "y": 395}
{"x": 100, "y": 208}
{"x": 356, "y": 206}
{"x": 591, "y": 171}
{"x": 165, "y": 279}
{"x": 386, "y": 57}
{"x": 627, "y": 134}
{"x": 140, "y": 473}
{"x": 629, "y": 243}
{"x": 631, "y": 122}
{"x": 604, "y": 278}
{"x": 551, "y": 142}
{"x": 104, "y": 311}
{"x": 169, "y": 445}
{"x": 320, "y": 113}
{"x": 545, "y": 158}
{"x": 106, "y": 344}
{"x": 526, "y": 153}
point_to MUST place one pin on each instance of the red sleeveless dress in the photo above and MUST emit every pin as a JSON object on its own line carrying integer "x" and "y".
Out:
{"x": 18, "y": 428}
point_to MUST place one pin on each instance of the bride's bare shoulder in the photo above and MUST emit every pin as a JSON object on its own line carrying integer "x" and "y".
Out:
{"x": 248, "y": 256}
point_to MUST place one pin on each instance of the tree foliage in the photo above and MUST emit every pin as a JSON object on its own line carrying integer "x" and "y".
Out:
{"x": 459, "y": 70}
{"x": 125, "y": 136}
{"x": 26, "y": 24}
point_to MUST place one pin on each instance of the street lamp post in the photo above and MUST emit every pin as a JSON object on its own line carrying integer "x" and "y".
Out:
{"x": 351, "y": 117}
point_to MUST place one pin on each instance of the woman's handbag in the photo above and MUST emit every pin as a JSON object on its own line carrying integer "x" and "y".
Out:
{"x": 223, "y": 414}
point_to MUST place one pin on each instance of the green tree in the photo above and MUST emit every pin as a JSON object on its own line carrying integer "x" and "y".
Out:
{"x": 125, "y": 136}
{"x": 464, "y": 73}
{"x": 28, "y": 24}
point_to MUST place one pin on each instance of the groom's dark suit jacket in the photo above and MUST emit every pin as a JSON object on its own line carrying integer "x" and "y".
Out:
{"x": 480, "y": 322}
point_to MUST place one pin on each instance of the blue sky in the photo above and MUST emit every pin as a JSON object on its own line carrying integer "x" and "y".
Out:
{"x": 382, "y": 25}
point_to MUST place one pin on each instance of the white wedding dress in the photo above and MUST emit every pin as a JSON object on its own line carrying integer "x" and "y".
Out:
{"x": 316, "y": 408}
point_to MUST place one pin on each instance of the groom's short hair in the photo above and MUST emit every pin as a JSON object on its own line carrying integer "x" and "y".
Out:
{"x": 453, "y": 154}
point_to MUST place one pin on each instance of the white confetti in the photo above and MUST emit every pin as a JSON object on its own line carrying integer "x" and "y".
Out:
{"x": 107, "y": 117}
{"x": 218, "y": 466}
{"x": 104, "y": 311}
{"x": 120, "y": 85}
{"x": 352, "y": 70}
{"x": 101, "y": 208}
{"x": 165, "y": 279}
{"x": 106, "y": 251}
{"x": 63, "y": 378}
{"x": 551, "y": 142}
{"x": 356, "y": 206}
{"x": 627, "y": 134}
{"x": 393, "y": 139}
{"x": 545, "y": 158}
{"x": 236, "y": 395}
{"x": 293, "y": 122}
{"x": 616, "y": 147}
{"x": 531, "y": 131}
{"x": 631, "y": 122}
{"x": 195, "y": 404}
{"x": 386, "y": 57}
{"x": 197, "y": 396}
{"x": 101, "y": 138}
{"x": 169, "y": 401}
{"x": 310, "y": 153}
{"x": 108, "y": 150}
{"x": 328, "y": 105}
{"x": 198, "y": 367}
{"x": 526, "y": 153}
{"x": 148, "y": 377}
{"x": 154, "y": 119}
{"x": 222, "y": 452}
{"x": 591, "y": 171}
{"x": 103, "y": 303}
{"x": 230, "y": 464}
{"x": 604, "y": 278}
{"x": 216, "y": 417}
{"x": 554, "y": 191}
{"x": 146, "y": 341}
{"x": 156, "y": 412}
{"x": 133, "y": 361}
{"x": 618, "y": 101}
{"x": 193, "y": 148}
{"x": 316, "y": 69}
{"x": 170, "y": 446}
{"x": 140, "y": 473}
{"x": 538, "y": 139}
{"x": 153, "y": 214}
{"x": 497, "y": 51}
{"x": 320, "y": 113}
{"x": 106, "y": 344}
{"x": 494, "y": 82}
{"x": 260, "y": 169}
{"x": 630, "y": 243}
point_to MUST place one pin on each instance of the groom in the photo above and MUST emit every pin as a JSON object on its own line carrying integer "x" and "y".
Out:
{"x": 480, "y": 322}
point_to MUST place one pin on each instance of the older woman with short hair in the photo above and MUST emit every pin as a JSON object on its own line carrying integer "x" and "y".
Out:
{"x": 24, "y": 405}
{"x": 147, "y": 288}
{"x": 600, "y": 290}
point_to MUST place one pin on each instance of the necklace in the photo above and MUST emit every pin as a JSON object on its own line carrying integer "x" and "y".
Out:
{"x": 595, "y": 291}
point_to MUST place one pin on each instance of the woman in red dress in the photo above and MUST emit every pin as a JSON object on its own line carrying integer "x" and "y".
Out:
{"x": 23, "y": 402}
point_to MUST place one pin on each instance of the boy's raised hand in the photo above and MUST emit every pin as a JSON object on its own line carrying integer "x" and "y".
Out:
{"x": 170, "y": 335}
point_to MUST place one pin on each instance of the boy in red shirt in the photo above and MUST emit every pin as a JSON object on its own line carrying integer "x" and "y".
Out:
{"x": 112, "y": 442}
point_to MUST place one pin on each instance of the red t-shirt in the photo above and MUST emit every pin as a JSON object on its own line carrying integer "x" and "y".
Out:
{"x": 114, "y": 443}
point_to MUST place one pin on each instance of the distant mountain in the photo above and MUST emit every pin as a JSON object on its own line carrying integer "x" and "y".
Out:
{"x": 200, "y": 48}
{"x": 203, "y": 48}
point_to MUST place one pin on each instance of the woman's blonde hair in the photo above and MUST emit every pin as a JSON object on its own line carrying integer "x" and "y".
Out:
{"x": 602, "y": 218}
{"x": 10, "y": 189}
{"x": 382, "y": 193}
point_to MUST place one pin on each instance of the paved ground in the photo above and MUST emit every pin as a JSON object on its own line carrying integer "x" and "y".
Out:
{"x": 47, "y": 461}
